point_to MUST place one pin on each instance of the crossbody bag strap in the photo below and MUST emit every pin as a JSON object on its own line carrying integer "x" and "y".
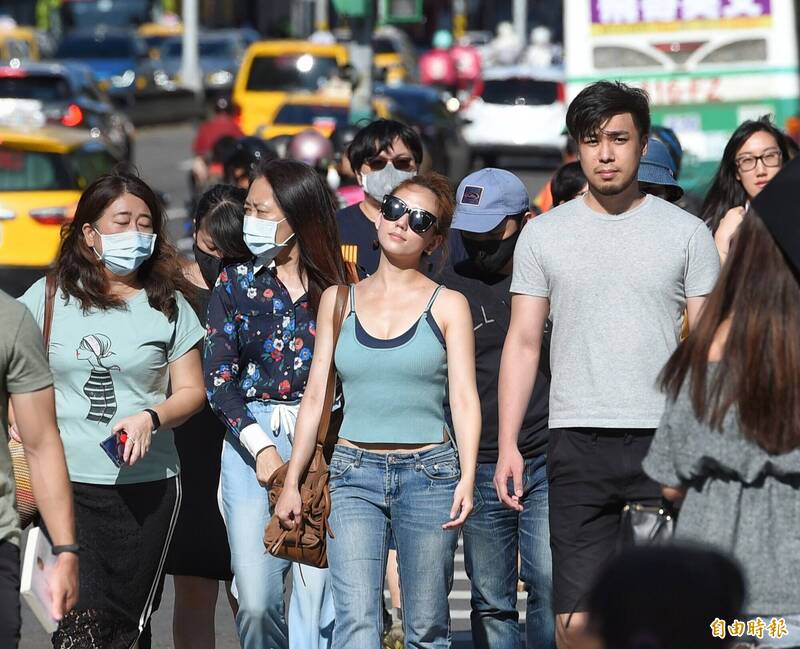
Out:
{"x": 330, "y": 390}
{"x": 50, "y": 286}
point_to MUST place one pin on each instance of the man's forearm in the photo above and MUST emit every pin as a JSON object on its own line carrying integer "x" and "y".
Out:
{"x": 52, "y": 488}
{"x": 518, "y": 369}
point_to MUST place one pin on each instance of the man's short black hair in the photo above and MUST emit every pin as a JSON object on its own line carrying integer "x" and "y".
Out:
{"x": 599, "y": 102}
{"x": 379, "y": 136}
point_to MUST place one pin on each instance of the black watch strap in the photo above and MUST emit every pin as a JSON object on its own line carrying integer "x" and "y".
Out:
{"x": 61, "y": 549}
{"x": 154, "y": 416}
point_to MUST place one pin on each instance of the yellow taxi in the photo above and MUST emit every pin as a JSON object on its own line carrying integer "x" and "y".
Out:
{"x": 42, "y": 174}
{"x": 323, "y": 113}
{"x": 271, "y": 70}
{"x": 154, "y": 34}
{"x": 21, "y": 43}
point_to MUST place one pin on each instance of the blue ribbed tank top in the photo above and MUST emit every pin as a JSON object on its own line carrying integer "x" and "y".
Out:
{"x": 393, "y": 389}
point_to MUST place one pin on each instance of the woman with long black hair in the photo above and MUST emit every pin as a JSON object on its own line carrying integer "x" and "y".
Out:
{"x": 197, "y": 568}
{"x": 753, "y": 156}
{"x": 260, "y": 340}
{"x": 127, "y": 371}
{"x": 728, "y": 444}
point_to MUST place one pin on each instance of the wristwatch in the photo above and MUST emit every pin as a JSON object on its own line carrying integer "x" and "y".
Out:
{"x": 156, "y": 420}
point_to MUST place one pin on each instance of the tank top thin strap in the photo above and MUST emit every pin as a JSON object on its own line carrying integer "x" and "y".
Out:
{"x": 433, "y": 298}
{"x": 352, "y": 299}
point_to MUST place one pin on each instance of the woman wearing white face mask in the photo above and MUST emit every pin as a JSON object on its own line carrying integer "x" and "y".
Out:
{"x": 121, "y": 333}
{"x": 260, "y": 340}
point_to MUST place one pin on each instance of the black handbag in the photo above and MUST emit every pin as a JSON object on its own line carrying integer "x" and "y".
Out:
{"x": 647, "y": 524}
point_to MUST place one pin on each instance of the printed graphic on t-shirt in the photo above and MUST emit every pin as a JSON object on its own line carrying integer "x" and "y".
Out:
{"x": 99, "y": 388}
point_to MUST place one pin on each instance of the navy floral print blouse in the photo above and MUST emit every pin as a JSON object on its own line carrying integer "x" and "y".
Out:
{"x": 258, "y": 343}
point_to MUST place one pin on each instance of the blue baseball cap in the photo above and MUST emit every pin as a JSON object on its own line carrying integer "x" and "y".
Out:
{"x": 657, "y": 167}
{"x": 486, "y": 197}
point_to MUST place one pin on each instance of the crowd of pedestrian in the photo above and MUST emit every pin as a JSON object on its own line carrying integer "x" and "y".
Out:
{"x": 547, "y": 385}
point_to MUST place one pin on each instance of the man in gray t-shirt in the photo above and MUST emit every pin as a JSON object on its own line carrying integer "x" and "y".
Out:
{"x": 617, "y": 271}
{"x": 26, "y": 382}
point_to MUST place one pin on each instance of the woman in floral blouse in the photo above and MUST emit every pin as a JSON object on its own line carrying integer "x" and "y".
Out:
{"x": 259, "y": 344}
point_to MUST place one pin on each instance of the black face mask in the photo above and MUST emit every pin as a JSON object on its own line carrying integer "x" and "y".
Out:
{"x": 491, "y": 256}
{"x": 210, "y": 266}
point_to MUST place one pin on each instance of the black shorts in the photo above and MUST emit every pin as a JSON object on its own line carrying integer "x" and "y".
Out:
{"x": 592, "y": 473}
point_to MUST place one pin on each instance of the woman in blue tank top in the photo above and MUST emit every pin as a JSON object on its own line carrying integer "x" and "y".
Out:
{"x": 395, "y": 471}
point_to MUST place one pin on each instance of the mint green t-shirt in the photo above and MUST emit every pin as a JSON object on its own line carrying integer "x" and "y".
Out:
{"x": 108, "y": 365}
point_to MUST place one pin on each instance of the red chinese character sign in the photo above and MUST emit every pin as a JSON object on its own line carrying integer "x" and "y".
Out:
{"x": 625, "y": 16}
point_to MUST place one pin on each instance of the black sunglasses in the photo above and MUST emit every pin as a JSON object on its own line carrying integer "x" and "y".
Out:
{"x": 401, "y": 164}
{"x": 419, "y": 220}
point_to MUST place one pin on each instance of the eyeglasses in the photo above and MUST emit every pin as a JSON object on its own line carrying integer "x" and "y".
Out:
{"x": 401, "y": 164}
{"x": 749, "y": 162}
{"x": 419, "y": 220}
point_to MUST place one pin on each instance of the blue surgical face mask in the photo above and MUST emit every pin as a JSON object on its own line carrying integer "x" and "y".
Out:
{"x": 259, "y": 236}
{"x": 124, "y": 252}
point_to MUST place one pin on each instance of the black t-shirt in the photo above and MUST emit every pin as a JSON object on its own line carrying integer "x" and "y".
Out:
{"x": 490, "y": 305}
{"x": 360, "y": 243}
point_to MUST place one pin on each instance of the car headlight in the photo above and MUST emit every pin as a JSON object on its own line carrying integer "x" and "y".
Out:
{"x": 161, "y": 78}
{"x": 219, "y": 78}
{"x": 123, "y": 80}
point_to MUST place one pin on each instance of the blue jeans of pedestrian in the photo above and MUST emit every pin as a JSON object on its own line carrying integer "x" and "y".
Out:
{"x": 258, "y": 575}
{"x": 492, "y": 537}
{"x": 407, "y": 495}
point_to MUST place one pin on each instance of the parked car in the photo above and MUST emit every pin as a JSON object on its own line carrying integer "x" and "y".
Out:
{"x": 71, "y": 97}
{"x": 118, "y": 58}
{"x": 220, "y": 54}
{"x": 425, "y": 108}
{"x": 42, "y": 174}
{"x": 521, "y": 110}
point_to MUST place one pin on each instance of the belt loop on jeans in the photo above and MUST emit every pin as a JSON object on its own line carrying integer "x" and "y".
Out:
{"x": 359, "y": 454}
{"x": 417, "y": 463}
{"x": 628, "y": 438}
{"x": 595, "y": 435}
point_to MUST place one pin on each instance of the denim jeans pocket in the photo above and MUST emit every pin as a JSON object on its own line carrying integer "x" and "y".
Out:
{"x": 442, "y": 468}
{"x": 339, "y": 466}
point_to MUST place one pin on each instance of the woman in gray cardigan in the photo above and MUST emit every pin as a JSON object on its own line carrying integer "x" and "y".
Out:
{"x": 729, "y": 442}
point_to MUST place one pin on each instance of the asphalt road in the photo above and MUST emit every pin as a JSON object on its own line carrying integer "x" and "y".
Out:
{"x": 163, "y": 159}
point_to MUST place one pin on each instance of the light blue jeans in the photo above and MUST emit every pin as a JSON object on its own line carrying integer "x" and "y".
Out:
{"x": 407, "y": 495}
{"x": 259, "y": 576}
{"x": 493, "y": 536}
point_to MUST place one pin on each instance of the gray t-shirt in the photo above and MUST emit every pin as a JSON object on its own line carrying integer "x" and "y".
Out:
{"x": 617, "y": 286}
{"x": 23, "y": 368}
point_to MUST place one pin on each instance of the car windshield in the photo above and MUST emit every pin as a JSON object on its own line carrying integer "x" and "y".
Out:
{"x": 291, "y": 72}
{"x": 315, "y": 115}
{"x": 88, "y": 47}
{"x": 112, "y": 13}
{"x": 525, "y": 92}
{"x": 383, "y": 46}
{"x": 44, "y": 87}
{"x": 213, "y": 49}
{"x": 30, "y": 171}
